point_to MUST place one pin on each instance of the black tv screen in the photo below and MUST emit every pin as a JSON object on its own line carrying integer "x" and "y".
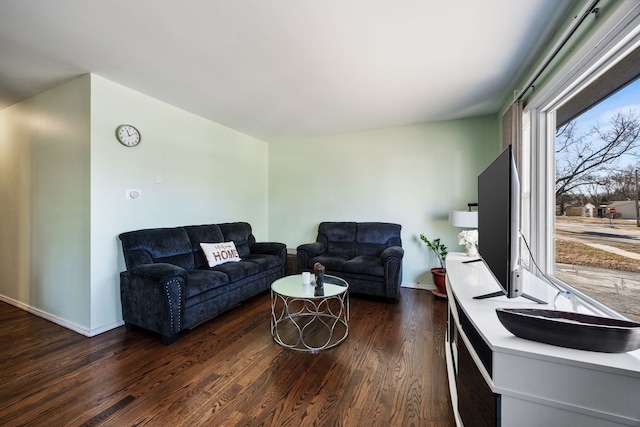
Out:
{"x": 499, "y": 225}
{"x": 498, "y": 207}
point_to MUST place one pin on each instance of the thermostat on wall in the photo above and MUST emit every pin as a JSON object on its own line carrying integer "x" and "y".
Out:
{"x": 133, "y": 194}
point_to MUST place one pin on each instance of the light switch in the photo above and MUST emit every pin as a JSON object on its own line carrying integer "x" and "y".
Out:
{"x": 158, "y": 178}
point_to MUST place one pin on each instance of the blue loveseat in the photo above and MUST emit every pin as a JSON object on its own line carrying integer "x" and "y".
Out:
{"x": 169, "y": 287}
{"x": 368, "y": 255}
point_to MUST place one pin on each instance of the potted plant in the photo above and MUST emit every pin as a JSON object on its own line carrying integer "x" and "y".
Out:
{"x": 439, "y": 274}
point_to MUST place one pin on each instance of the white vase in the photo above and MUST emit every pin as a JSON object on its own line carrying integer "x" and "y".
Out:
{"x": 470, "y": 249}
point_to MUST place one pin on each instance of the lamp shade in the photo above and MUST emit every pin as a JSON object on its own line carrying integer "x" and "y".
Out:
{"x": 463, "y": 219}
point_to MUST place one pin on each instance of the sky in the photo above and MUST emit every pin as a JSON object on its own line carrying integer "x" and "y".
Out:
{"x": 626, "y": 99}
{"x": 622, "y": 101}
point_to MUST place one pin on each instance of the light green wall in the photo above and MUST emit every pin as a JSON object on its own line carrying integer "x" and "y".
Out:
{"x": 210, "y": 174}
{"x": 408, "y": 175}
{"x": 63, "y": 178}
{"x": 44, "y": 218}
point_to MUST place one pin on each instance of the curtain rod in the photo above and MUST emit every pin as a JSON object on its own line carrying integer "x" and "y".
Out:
{"x": 586, "y": 11}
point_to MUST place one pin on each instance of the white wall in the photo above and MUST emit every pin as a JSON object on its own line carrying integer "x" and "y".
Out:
{"x": 44, "y": 214}
{"x": 210, "y": 174}
{"x": 408, "y": 175}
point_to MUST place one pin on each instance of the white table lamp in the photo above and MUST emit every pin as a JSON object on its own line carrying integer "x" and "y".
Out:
{"x": 463, "y": 219}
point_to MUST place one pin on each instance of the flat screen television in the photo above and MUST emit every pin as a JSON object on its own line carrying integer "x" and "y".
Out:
{"x": 499, "y": 225}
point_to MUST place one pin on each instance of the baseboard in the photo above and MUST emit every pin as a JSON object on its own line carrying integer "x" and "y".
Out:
{"x": 105, "y": 328}
{"x": 425, "y": 286}
{"x": 59, "y": 321}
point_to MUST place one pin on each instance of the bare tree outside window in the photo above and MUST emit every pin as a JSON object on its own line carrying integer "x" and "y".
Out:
{"x": 592, "y": 159}
{"x": 597, "y": 238}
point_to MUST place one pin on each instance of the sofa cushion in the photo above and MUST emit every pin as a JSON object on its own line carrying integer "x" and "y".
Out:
{"x": 238, "y": 270}
{"x": 209, "y": 233}
{"x": 201, "y": 281}
{"x": 264, "y": 261}
{"x": 219, "y": 253}
{"x": 332, "y": 262}
{"x": 364, "y": 264}
{"x": 170, "y": 245}
{"x": 240, "y": 234}
{"x": 339, "y": 237}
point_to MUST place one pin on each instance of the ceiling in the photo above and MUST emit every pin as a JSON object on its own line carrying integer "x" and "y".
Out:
{"x": 284, "y": 69}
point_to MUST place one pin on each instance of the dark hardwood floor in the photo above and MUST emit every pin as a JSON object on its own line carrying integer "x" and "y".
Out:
{"x": 390, "y": 371}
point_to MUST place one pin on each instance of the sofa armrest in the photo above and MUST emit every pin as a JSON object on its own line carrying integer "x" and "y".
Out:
{"x": 312, "y": 249}
{"x": 392, "y": 261}
{"x": 158, "y": 271}
{"x": 307, "y": 251}
{"x": 153, "y": 297}
{"x": 269, "y": 248}
{"x": 272, "y": 248}
{"x": 392, "y": 252}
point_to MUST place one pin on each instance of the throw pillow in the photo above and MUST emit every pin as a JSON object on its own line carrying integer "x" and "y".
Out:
{"x": 219, "y": 253}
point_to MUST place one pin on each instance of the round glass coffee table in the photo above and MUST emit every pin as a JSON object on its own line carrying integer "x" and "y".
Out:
{"x": 304, "y": 321}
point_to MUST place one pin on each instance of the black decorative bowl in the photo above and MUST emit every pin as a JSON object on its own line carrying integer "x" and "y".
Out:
{"x": 572, "y": 330}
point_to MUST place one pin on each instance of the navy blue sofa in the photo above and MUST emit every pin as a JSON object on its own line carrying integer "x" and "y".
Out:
{"x": 169, "y": 287}
{"x": 368, "y": 255}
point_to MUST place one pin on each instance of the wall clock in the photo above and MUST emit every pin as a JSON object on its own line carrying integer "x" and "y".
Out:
{"x": 128, "y": 135}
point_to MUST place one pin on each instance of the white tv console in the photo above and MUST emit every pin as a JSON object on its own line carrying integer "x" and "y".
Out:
{"x": 498, "y": 379}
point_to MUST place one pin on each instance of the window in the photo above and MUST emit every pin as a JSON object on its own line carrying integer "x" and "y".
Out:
{"x": 597, "y": 238}
{"x": 579, "y": 205}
